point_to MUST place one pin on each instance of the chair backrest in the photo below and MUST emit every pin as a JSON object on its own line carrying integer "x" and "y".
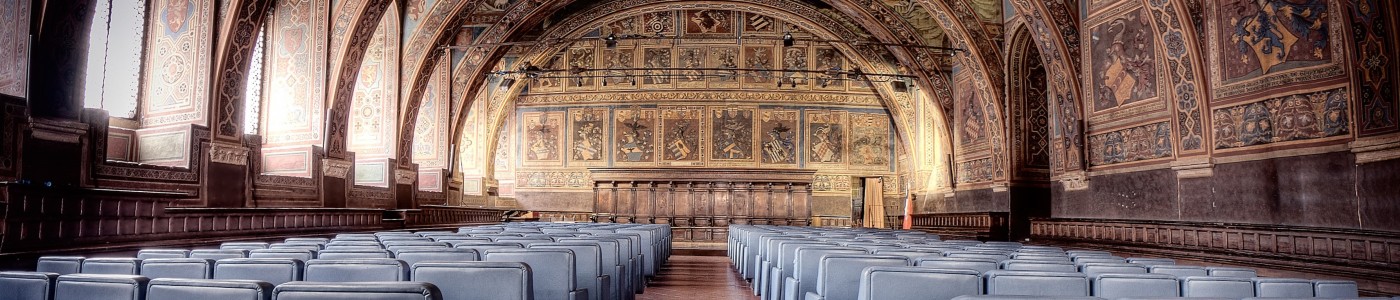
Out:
{"x": 360, "y": 290}
{"x": 163, "y": 253}
{"x": 807, "y": 264}
{"x": 61, "y": 265}
{"x": 1334, "y": 289}
{"x": 297, "y": 245}
{"x": 1151, "y": 261}
{"x": 1215, "y": 286}
{"x": 1097, "y": 259}
{"x": 1036, "y": 265}
{"x": 353, "y": 254}
{"x": 187, "y": 268}
{"x": 355, "y": 270}
{"x": 27, "y": 285}
{"x": 243, "y": 245}
{"x": 1114, "y": 286}
{"x": 1178, "y": 270}
{"x": 296, "y": 253}
{"x": 838, "y": 275}
{"x": 1094, "y": 269}
{"x": 482, "y": 247}
{"x": 100, "y": 287}
{"x": 369, "y": 243}
{"x": 205, "y": 289}
{"x": 489, "y": 279}
{"x": 321, "y": 241}
{"x": 1283, "y": 288}
{"x": 885, "y": 282}
{"x": 977, "y": 254}
{"x": 981, "y": 265}
{"x": 786, "y": 252}
{"x": 588, "y": 260}
{"x": 1087, "y": 253}
{"x": 1011, "y": 297}
{"x": 112, "y": 266}
{"x": 524, "y": 241}
{"x": 1041, "y": 257}
{"x": 415, "y": 256}
{"x": 551, "y": 270}
{"x": 271, "y": 270}
{"x": 217, "y": 254}
{"x": 1034, "y": 283}
{"x": 454, "y": 241}
{"x": 401, "y": 243}
{"x": 1231, "y": 272}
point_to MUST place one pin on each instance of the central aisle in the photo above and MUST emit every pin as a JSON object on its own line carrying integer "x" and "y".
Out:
{"x": 697, "y": 277}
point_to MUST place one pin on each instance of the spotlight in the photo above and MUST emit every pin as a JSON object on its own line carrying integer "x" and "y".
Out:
{"x": 787, "y": 39}
{"x": 610, "y": 41}
{"x": 855, "y": 74}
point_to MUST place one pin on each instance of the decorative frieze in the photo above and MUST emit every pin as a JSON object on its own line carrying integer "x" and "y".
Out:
{"x": 402, "y": 176}
{"x": 336, "y": 168}
{"x": 228, "y": 154}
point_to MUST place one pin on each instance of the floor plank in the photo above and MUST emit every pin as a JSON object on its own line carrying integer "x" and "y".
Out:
{"x": 697, "y": 277}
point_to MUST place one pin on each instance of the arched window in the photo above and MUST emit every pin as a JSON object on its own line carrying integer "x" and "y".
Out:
{"x": 114, "y": 57}
{"x": 252, "y": 92}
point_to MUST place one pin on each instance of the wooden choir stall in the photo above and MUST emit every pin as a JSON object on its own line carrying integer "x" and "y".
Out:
{"x": 700, "y": 204}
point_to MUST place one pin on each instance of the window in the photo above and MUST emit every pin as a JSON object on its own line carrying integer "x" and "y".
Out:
{"x": 114, "y": 56}
{"x": 252, "y": 92}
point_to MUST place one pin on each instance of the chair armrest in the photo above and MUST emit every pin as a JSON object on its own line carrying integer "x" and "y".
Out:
{"x": 605, "y": 287}
{"x": 790, "y": 289}
{"x": 579, "y": 294}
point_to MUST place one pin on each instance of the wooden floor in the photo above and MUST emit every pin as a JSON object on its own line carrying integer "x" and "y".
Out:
{"x": 698, "y": 277}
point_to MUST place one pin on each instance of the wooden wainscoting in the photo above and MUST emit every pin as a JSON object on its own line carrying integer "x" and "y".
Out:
{"x": 984, "y": 226}
{"x": 438, "y": 215}
{"x": 53, "y": 220}
{"x": 700, "y": 204}
{"x": 1370, "y": 257}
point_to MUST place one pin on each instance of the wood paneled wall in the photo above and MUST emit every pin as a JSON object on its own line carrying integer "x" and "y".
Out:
{"x": 701, "y": 203}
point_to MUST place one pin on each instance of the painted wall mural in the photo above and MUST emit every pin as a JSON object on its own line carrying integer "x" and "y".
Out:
{"x": 1290, "y": 118}
{"x": 1375, "y": 66}
{"x": 779, "y": 136}
{"x": 295, "y": 81}
{"x": 681, "y": 134}
{"x": 1125, "y": 66}
{"x": 731, "y": 129}
{"x": 835, "y": 141}
{"x": 826, "y": 136}
{"x": 870, "y": 141}
{"x": 1265, "y": 48}
{"x": 177, "y": 42}
{"x": 1129, "y": 145}
{"x": 918, "y": 18}
{"x": 543, "y": 137}
{"x": 430, "y": 134}
{"x": 971, "y": 123}
{"x": 14, "y": 47}
{"x": 634, "y": 136}
{"x": 586, "y": 134}
{"x": 375, "y": 104}
{"x": 1273, "y": 35}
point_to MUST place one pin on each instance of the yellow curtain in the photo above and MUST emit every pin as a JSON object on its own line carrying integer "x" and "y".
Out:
{"x": 874, "y": 203}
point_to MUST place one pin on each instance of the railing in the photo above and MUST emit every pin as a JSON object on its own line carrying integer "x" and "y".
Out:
{"x": 1363, "y": 254}
{"x": 44, "y": 219}
{"x": 978, "y": 225}
{"x": 437, "y": 215}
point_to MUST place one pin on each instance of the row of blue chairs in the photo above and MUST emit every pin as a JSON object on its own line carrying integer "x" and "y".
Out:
{"x": 806, "y": 263}
{"x": 507, "y": 261}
